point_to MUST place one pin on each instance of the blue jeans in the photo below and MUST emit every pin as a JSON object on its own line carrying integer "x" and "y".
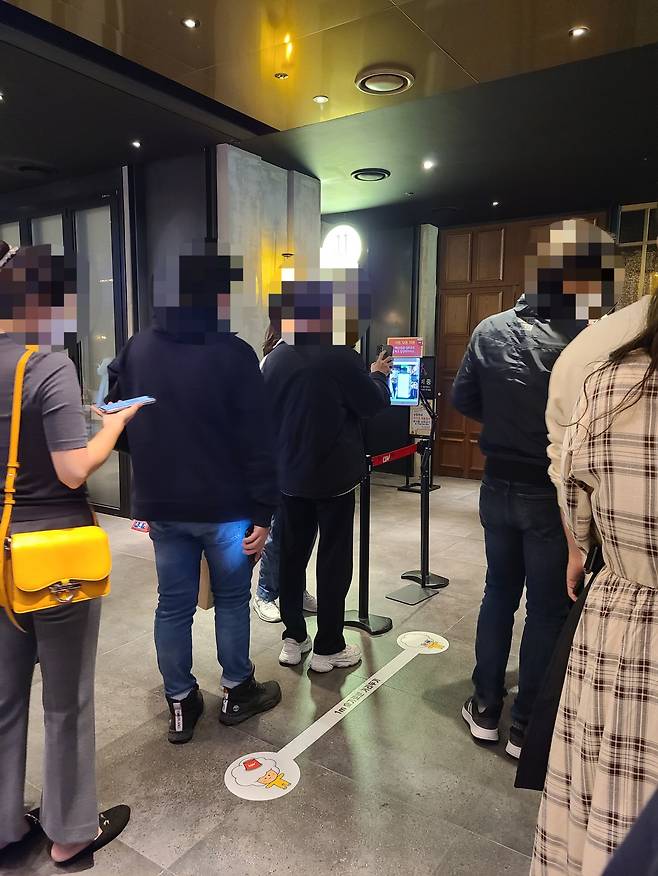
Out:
{"x": 178, "y": 550}
{"x": 268, "y": 578}
{"x": 525, "y": 544}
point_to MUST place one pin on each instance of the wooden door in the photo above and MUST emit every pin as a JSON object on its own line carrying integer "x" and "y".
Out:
{"x": 457, "y": 452}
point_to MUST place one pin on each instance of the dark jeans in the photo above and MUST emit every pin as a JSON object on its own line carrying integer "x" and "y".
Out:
{"x": 525, "y": 544}
{"x": 300, "y": 519}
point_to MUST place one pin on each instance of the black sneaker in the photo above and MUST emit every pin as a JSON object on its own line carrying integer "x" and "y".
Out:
{"x": 515, "y": 741}
{"x": 183, "y": 716}
{"x": 248, "y": 699}
{"x": 483, "y": 723}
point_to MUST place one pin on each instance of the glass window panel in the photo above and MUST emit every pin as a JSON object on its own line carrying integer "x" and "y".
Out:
{"x": 10, "y": 232}
{"x": 48, "y": 229}
{"x": 96, "y": 331}
{"x": 631, "y": 226}
{"x": 653, "y": 224}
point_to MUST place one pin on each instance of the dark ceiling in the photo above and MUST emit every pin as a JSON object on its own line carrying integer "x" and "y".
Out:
{"x": 576, "y": 136}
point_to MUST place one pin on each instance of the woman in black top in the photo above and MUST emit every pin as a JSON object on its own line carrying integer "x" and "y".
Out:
{"x": 37, "y": 305}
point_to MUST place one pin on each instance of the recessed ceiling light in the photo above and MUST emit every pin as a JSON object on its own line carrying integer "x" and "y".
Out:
{"x": 190, "y": 22}
{"x": 371, "y": 174}
{"x": 384, "y": 80}
{"x": 136, "y": 143}
{"x": 578, "y": 31}
{"x": 321, "y": 98}
{"x": 428, "y": 164}
{"x": 409, "y": 194}
{"x": 495, "y": 203}
{"x": 280, "y": 75}
{"x": 2, "y": 97}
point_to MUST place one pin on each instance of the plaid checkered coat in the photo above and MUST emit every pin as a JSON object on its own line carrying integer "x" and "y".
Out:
{"x": 603, "y": 765}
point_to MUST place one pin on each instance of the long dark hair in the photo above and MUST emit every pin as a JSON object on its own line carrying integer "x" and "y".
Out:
{"x": 645, "y": 342}
{"x": 272, "y": 338}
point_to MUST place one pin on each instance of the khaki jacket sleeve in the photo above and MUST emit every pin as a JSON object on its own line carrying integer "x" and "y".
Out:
{"x": 563, "y": 393}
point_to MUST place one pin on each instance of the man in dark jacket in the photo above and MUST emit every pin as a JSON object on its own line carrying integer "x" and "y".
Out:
{"x": 319, "y": 392}
{"x": 204, "y": 479}
{"x": 503, "y": 384}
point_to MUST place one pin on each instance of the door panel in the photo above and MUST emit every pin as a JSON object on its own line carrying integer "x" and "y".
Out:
{"x": 489, "y": 254}
{"x": 457, "y": 258}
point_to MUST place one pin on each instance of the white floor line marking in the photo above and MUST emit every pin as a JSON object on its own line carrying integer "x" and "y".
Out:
{"x": 267, "y": 775}
{"x": 305, "y": 739}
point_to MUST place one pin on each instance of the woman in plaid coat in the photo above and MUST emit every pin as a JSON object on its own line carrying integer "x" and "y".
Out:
{"x": 603, "y": 765}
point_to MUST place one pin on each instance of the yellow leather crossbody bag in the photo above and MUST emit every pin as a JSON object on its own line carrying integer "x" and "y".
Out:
{"x": 45, "y": 569}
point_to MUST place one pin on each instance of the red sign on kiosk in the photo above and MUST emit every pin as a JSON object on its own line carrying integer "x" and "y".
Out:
{"x": 410, "y": 348}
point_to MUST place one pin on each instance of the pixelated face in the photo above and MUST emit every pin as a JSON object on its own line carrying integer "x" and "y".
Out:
{"x": 198, "y": 303}
{"x": 331, "y": 308}
{"x": 38, "y": 301}
{"x": 575, "y": 274}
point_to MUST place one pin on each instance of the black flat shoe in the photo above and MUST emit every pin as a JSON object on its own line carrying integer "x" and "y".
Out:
{"x": 33, "y": 828}
{"x": 111, "y": 822}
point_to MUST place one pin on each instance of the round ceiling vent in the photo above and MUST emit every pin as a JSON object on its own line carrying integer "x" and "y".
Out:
{"x": 384, "y": 80}
{"x": 26, "y": 166}
{"x": 371, "y": 174}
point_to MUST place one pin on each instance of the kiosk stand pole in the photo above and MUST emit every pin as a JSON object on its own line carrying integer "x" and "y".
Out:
{"x": 362, "y": 619}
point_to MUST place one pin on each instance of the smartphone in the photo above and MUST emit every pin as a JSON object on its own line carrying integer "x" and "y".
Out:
{"x": 252, "y": 557}
{"x": 385, "y": 348}
{"x": 113, "y": 407}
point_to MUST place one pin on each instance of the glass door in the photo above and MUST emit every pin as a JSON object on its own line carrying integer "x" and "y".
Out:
{"x": 97, "y": 333}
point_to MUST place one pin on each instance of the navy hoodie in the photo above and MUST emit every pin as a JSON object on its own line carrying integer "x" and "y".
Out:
{"x": 203, "y": 452}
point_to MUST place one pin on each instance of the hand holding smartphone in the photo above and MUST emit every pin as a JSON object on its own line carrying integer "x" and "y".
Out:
{"x": 113, "y": 407}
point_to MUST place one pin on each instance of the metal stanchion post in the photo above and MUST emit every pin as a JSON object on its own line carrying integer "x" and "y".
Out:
{"x": 362, "y": 619}
{"x": 429, "y": 583}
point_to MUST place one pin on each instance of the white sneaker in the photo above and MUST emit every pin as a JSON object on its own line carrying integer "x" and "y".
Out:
{"x": 267, "y": 611}
{"x": 310, "y": 603}
{"x": 350, "y": 656}
{"x": 293, "y": 651}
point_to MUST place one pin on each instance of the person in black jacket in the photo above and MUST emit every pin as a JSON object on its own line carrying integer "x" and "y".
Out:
{"x": 320, "y": 392}
{"x": 503, "y": 384}
{"x": 205, "y": 480}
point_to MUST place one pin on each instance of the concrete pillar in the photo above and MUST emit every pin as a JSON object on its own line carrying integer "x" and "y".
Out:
{"x": 265, "y": 211}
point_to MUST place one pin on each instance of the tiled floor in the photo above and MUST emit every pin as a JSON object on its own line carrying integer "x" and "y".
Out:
{"x": 396, "y": 787}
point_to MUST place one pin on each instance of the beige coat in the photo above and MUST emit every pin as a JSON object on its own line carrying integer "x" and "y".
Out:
{"x": 592, "y": 346}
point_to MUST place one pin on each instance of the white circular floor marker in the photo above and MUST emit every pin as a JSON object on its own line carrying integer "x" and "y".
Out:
{"x": 265, "y": 775}
{"x": 423, "y": 643}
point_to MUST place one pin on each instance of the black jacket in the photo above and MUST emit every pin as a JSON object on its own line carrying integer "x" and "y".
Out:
{"x": 319, "y": 394}
{"x": 203, "y": 452}
{"x": 503, "y": 384}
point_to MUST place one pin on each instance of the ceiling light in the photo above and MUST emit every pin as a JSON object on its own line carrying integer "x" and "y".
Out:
{"x": 384, "y": 80}
{"x": 371, "y": 174}
{"x": 321, "y": 98}
{"x": 2, "y": 97}
{"x": 428, "y": 164}
{"x": 136, "y": 143}
{"x": 578, "y": 31}
{"x": 495, "y": 203}
{"x": 190, "y": 22}
{"x": 409, "y": 194}
{"x": 280, "y": 75}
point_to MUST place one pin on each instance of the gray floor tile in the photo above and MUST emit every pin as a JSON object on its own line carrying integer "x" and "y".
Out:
{"x": 475, "y": 856}
{"x": 116, "y": 859}
{"x": 328, "y": 825}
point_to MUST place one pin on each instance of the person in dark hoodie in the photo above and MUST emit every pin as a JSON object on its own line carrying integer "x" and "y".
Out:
{"x": 320, "y": 391}
{"x": 503, "y": 384}
{"x": 204, "y": 479}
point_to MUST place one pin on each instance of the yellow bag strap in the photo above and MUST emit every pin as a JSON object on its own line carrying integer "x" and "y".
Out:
{"x": 12, "y": 471}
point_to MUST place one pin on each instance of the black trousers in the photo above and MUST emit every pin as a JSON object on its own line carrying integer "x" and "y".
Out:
{"x": 301, "y": 518}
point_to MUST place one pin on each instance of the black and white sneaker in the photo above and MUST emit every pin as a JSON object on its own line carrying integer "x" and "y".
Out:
{"x": 515, "y": 741}
{"x": 183, "y": 715}
{"x": 483, "y": 723}
{"x": 248, "y": 699}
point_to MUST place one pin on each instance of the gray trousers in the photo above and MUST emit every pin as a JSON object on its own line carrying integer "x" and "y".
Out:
{"x": 65, "y": 640}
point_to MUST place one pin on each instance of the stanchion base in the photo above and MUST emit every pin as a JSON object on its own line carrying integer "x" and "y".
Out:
{"x": 412, "y": 594}
{"x": 432, "y": 582}
{"x": 416, "y": 488}
{"x": 374, "y": 624}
